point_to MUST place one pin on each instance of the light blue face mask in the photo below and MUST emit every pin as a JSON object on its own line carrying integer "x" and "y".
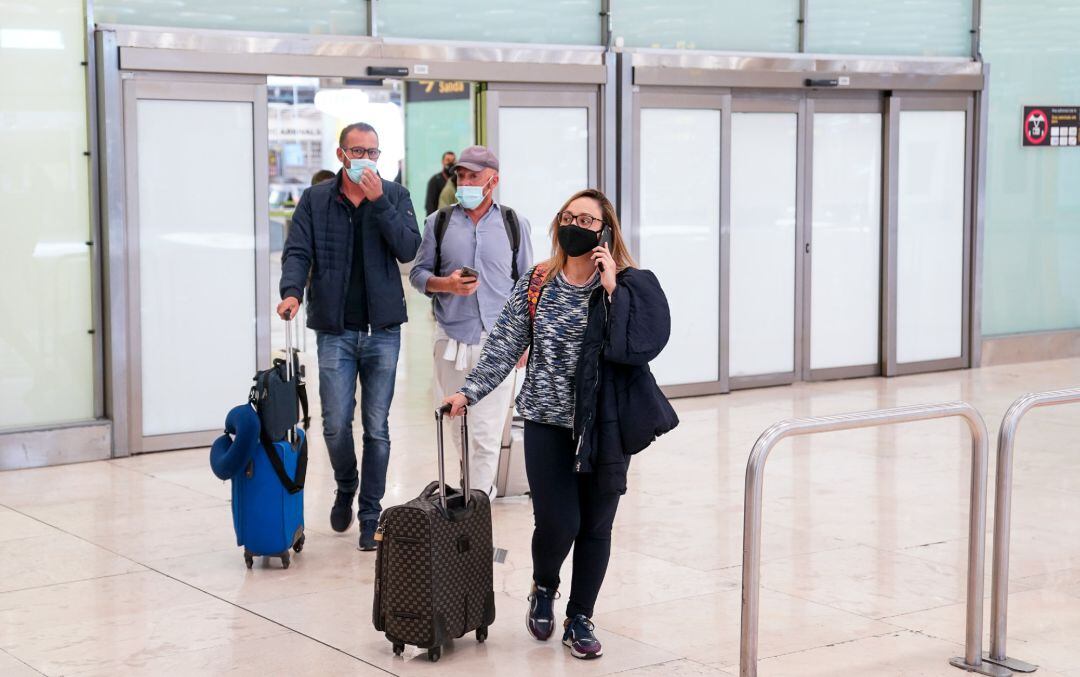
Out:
{"x": 356, "y": 168}
{"x": 470, "y": 197}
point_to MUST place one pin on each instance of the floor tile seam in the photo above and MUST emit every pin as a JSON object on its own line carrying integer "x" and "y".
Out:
{"x": 841, "y": 643}
{"x": 147, "y": 567}
{"x": 247, "y": 606}
{"x": 932, "y": 635}
{"x": 78, "y": 537}
{"x": 271, "y": 620}
{"x": 878, "y": 619}
{"x": 658, "y": 664}
{"x": 19, "y": 660}
{"x": 209, "y": 646}
{"x": 896, "y": 631}
{"x": 680, "y": 598}
{"x": 167, "y": 481}
{"x": 76, "y": 580}
{"x": 87, "y": 540}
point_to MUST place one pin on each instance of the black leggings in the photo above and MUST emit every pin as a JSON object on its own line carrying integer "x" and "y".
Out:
{"x": 568, "y": 510}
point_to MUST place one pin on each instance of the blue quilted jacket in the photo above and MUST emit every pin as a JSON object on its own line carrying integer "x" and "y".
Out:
{"x": 320, "y": 243}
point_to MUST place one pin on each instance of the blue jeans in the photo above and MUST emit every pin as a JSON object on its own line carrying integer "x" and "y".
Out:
{"x": 342, "y": 358}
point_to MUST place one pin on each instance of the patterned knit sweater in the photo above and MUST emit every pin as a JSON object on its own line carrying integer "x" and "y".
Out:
{"x": 547, "y": 394}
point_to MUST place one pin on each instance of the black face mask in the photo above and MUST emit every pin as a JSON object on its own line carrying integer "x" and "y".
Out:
{"x": 577, "y": 241}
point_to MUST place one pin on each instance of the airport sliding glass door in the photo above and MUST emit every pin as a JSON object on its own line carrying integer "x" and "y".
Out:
{"x": 804, "y": 236}
{"x": 197, "y": 254}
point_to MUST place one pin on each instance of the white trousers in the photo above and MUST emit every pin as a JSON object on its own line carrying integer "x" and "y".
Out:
{"x": 487, "y": 418}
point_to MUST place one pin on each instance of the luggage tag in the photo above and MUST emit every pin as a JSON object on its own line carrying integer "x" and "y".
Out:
{"x": 498, "y": 555}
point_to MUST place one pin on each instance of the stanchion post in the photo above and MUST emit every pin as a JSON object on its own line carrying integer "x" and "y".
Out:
{"x": 972, "y": 660}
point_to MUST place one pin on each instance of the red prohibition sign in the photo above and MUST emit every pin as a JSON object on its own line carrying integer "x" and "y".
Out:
{"x": 1040, "y": 117}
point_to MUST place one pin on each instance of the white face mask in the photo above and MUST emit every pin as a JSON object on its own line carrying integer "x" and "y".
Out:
{"x": 470, "y": 197}
{"x": 357, "y": 166}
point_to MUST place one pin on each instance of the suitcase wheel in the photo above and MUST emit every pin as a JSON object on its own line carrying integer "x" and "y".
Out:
{"x": 285, "y": 559}
{"x": 299, "y": 544}
{"x": 434, "y": 654}
{"x": 481, "y": 633}
{"x": 399, "y": 648}
{"x": 249, "y": 560}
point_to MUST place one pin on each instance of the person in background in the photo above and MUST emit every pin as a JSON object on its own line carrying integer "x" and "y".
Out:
{"x": 589, "y": 401}
{"x": 437, "y": 182}
{"x": 347, "y": 234}
{"x": 468, "y": 262}
{"x": 448, "y": 196}
{"x": 322, "y": 175}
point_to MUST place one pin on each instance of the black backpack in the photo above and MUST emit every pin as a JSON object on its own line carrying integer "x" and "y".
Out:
{"x": 513, "y": 233}
{"x": 275, "y": 398}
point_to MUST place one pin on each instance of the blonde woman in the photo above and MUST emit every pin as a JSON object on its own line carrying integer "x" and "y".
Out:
{"x": 593, "y": 322}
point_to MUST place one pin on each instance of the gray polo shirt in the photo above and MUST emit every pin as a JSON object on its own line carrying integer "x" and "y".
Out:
{"x": 484, "y": 247}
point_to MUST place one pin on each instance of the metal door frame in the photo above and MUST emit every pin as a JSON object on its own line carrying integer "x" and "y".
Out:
{"x": 186, "y": 88}
{"x": 789, "y": 103}
{"x": 684, "y": 98}
{"x": 836, "y": 102}
{"x": 924, "y": 101}
{"x": 527, "y": 95}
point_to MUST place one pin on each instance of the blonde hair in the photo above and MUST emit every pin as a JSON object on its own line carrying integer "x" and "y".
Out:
{"x": 619, "y": 251}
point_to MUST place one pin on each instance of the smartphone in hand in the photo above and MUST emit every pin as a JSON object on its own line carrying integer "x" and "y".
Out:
{"x": 605, "y": 239}
{"x": 469, "y": 272}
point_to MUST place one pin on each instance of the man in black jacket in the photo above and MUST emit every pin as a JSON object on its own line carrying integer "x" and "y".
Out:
{"x": 436, "y": 183}
{"x": 347, "y": 234}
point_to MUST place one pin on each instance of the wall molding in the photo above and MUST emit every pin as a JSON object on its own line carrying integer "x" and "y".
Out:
{"x": 78, "y": 442}
{"x": 1030, "y": 347}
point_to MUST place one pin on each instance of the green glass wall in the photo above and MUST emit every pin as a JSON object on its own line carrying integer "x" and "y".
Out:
{"x": 1031, "y": 278}
{"x": 46, "y": 348}
{"x": 762, "y": 26}
{"x": 324, "y": 17}
{"x": 431, "y": 129}
{"x": 566, "y": 22}
{"x": 899, "y": 27}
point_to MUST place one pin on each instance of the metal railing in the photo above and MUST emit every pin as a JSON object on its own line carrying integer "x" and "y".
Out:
{"x": 972, "y": 660}
{"x": 999, "y": 586}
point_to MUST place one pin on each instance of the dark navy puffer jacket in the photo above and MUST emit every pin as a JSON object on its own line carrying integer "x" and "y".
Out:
{"x": 619, "y": 409}
{"x": 320, "y": 242}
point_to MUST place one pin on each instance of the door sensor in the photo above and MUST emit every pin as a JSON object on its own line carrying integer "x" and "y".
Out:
{"x": 388, "y": 71}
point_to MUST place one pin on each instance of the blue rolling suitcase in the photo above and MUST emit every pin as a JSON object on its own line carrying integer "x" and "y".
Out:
{"x": 265, "y": 455}
{"x": 267, "y": 510}
{"x": 269, "y": 520}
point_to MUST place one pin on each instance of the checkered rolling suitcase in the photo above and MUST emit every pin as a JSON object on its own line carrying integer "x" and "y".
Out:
{"x": 433, "y": 565}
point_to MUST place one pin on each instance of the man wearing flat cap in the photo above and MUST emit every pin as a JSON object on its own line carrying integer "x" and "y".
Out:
{"x": 471, "y": 255}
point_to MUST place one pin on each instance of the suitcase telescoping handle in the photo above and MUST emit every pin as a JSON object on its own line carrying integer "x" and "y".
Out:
{"x": 445, "y": 409}
{"x": 288, "y": 345}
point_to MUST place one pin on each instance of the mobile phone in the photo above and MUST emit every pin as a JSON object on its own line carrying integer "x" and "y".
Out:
{"x": 605, "y": 239}
{"x": 469, "y": 272}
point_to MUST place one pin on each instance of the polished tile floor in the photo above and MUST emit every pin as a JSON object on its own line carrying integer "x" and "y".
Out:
{"x": 130, "y": 566}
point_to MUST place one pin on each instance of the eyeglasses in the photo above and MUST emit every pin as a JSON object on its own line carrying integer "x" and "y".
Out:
{"x": 359, "y": 152}
{"x": 583, "y": 220}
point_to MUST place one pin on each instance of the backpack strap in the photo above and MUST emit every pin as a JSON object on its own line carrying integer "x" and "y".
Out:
{"x": 293, "y": 485}
{"x": 536, "y": 285}
{"x": 442, "y": 220}
{"x": 513, "y": 233}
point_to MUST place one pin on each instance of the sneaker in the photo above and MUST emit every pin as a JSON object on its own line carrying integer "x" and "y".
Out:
{"x": 367, "y": 534}
{"x": 540, "y": 620}
{"x": 341, "y": 515}
{"x": 580, "y": 638}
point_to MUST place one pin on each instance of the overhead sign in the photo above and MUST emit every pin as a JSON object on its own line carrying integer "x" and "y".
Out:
{"x": 435, "y": 90}
{"x": 1051, "y": 125}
